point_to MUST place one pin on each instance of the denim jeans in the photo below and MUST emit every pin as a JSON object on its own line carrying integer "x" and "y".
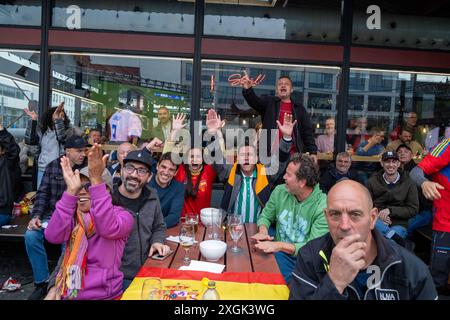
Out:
{"x": 40, "y": 174}
{"x": 5, "y": 219}
{"x": 34, "y": 244}
{"x": 286, "y": 263}
{"x": 387, "y": 231}
{"x": 420, "y": 220}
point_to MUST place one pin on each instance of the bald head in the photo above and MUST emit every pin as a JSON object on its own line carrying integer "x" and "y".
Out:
{"x": 351, "y": 189}
{"x": 122, "y": 151}
{"x": 350, "y": 211}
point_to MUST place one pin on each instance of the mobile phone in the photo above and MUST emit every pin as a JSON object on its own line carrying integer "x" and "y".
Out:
{"x": 157, "y": 256}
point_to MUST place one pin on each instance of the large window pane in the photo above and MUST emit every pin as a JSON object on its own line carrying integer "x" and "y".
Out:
{"x": 393, "y": 100}
{"x": 299, "y": 20}
{"x": 228, "y": 101}
{"x": 25, "y": 13}
{"x": 95, "y": 86}
{"x": 19, "y": 88}
{"x": 161, "y": 16}
{"x": 421, "y": 24}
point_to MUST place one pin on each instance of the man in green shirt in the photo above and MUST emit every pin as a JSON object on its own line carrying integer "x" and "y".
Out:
{"x": 297, "y": 209}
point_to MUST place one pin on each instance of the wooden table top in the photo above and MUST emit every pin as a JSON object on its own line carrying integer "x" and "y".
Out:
{"x": 248, "y": 260}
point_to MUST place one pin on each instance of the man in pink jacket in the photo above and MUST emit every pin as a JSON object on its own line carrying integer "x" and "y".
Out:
{"x": 94, "y": 231}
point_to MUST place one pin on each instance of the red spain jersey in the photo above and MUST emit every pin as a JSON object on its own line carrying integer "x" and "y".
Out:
{"x": 437, "y": 165}
{"x": 203, "y": 199}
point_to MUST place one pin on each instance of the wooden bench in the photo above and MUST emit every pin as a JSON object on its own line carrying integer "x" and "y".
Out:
{"x": 17, "y": 233}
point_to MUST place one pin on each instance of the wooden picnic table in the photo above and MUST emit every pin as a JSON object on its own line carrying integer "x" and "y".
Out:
{"x": 248, "y": 260}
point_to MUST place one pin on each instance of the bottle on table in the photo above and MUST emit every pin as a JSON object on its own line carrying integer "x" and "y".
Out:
{"x": 211, "y": 293}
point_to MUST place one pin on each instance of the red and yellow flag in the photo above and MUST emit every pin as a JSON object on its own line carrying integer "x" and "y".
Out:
{"x": 229, "y": 285}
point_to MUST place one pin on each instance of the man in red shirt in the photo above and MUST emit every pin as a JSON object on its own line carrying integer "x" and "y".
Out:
{"x": 273, "y": 109}
{"x": 437, "y": 165}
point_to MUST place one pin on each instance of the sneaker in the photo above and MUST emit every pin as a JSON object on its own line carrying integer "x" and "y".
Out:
{"x": 40, "y": 291}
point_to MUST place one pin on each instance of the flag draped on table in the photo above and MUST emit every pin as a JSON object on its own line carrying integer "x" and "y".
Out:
{"x": 229, "y": 285}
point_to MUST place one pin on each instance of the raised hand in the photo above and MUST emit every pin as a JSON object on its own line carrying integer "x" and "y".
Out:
{"x": 213, "y": 121}
{"x": 154, "y": 145}
{"x": 96, "y": 164}
{"x": 288, "y": 126}
{"x": 33, "y": 115}
{"x": 59, "y": 112}
{"x": 177, "y": 122}
{"x": 71, "y": 178}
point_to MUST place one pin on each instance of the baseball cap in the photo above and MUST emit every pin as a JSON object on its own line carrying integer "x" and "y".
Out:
{"x": 389, "y": 155}
{"x": 75, "y": 141}
{"x": 141, "y": 156}
{"x": 403, "y": 146}
{"x": 106, "y": 176}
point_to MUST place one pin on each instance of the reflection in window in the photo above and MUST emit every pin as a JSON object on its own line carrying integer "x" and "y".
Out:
{"x": 320, "y": 80}
{"x": 285, "y": 20}
{"x": 357, "y": 81}
{"x": 97, "y": 86}
{"x": 355, "y": 102}
{"x": 319, "y": 101}
{"x": 19, "y": 88}
{"x": 379, "y": 82}
{"x": 397, "y": 99}
{"x": 228, "y": 101}
{"x": 26, "y": 13}
{"x": 382, "y": 104}
{"x": 138, "y": 15}
{"x": 403, "y": 26}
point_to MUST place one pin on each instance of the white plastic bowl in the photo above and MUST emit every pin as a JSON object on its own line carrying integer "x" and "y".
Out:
{"x": 206, "y": 215}
{"x": 213, "y": 250}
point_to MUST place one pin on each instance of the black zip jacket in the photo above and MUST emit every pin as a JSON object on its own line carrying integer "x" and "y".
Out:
{"x": 402, "y": 275}
{"x": 269, "y": 109}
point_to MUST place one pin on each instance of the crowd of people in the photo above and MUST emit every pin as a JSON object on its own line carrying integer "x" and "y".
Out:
{"x": 342, "y": 231}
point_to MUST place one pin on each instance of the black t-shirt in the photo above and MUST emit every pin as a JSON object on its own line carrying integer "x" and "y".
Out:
{"x": 133, "y": 204}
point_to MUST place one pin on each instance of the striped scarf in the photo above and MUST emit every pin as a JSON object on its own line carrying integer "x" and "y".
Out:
{"x": 70, "y": 278}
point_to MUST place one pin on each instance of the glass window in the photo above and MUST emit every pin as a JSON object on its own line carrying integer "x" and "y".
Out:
{"x": 299, "y": 20}
{"x": 414, "y": 26}
{"x": 25, "y": 13}
{"x": 19, "y": 88}
{"x": 392, "y": 100}
{"x": 228, "y": 101}
{"x": 96, "y": 86}
{"x": 161, "y": 16}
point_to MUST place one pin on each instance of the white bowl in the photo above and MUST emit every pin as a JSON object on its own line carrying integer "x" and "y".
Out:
{"x": 213, "y": 250}
{"x": 206, "y": 216}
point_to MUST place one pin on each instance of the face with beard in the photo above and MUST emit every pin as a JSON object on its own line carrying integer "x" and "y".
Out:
{"x": 135, "y": 176}
{"x": 163, "y": 115}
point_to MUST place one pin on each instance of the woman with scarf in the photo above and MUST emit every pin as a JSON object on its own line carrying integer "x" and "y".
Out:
{"x": 94, "y": 231}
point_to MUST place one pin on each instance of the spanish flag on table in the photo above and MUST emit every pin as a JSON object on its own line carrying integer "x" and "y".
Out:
{"x": 229, "y": 285}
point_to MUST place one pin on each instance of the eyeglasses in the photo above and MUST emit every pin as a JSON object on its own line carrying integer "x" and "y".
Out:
{"x": 131, "y": 169}
{"x": 86, "y": 186}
